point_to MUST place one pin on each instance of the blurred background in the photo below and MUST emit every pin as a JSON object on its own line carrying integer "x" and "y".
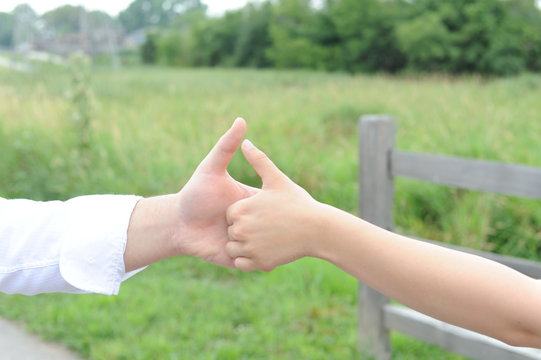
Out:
{"x": 128, "y": 97}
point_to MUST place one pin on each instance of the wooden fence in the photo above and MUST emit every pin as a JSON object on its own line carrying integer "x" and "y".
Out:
{"x": 380, "y": 163}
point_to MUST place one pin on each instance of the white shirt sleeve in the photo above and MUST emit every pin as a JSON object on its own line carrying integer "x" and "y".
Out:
{"x": 76, "y": 246}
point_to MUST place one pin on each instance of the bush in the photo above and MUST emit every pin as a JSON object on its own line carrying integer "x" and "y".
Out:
{"x": 149, "y": 49}
{"x": 426, "y": 41}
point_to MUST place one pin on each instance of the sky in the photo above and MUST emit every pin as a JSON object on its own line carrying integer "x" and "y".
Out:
{"x": 113, "y": 7}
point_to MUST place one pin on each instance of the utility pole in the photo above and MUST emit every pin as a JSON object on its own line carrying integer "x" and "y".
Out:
{"x": 83, "y": 31}
{"x": 112, "y": 40}
{"x": 23, "y": 31}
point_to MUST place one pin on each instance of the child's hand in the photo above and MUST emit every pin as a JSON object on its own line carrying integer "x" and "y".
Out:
{"x": 274, "y": 227}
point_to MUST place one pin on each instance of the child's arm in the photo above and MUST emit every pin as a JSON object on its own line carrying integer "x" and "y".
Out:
{"x": 283, "y": 223}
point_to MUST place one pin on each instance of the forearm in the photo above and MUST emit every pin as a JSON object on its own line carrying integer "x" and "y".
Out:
{"x": 456, "y": 287}
{"x": 151, "y": 231}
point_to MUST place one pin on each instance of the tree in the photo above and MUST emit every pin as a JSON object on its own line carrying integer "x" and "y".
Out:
{"x": 149, "y": 49}
{"x": 7, "y": 23}
{"x": 25, "y": 27}
{"x": 173, "y": 49}
{"x": 238, "y": 38}
{"x": 293, "y": 32}
{"x": 100, "y": 19}
{"x": 253, "y": 36}
{"x": 481, "y": 36}
{"x": 63, "y": 20}
{"x": 426, "y": 41}
{"x": 524, "y": 20}
{"x": 366, "y": 29}
{"x": 156, "y": 13}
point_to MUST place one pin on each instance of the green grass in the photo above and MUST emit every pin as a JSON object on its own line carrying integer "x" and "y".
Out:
{"x": 152, "y": 126}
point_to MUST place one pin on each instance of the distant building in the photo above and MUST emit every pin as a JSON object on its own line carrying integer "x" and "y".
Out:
{"x": 135, "y": 39}
{"x": 97, "y": 41}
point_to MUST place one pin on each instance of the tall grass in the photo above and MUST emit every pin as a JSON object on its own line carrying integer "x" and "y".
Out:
{"x": 151, "y": 127}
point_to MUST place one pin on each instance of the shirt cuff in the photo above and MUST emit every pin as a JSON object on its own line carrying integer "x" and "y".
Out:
{"x": 92, "y": 253}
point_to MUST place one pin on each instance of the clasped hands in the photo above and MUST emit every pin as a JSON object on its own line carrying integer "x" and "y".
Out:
{"x": 224, "y": 222}
{"x": 227, "y": 223}
{"x": 240, "y": 226}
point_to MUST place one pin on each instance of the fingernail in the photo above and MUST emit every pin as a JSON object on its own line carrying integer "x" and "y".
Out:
{"x": 247, "y": 144}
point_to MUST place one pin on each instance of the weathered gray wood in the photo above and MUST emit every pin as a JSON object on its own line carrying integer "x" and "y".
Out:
{"x": 377, "y": 135}
{"x": 527, "y": 267}
{"x": 469, "y": 174}
{"x": 453, "y": 338}
{"x": 374, "y": 337}
{"x": 376, "y": 202}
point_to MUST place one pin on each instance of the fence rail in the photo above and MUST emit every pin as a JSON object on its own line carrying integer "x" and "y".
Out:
{"x": 469, "y": 174}
{"x": 453, "y": 338}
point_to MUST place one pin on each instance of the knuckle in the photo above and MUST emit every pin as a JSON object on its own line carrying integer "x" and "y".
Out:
{"x": 236, "y": 232}
{"x": 250, "y": 250}
{"x": 260, "y": 155}
{"x": 232, "y": 233}
{"x": 233, "y": 212}
{"x": 230, "y": 247}
{"x": 236, "y": 211}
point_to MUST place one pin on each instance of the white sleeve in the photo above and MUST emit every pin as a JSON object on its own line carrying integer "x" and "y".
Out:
{"x": 75, "y": 246}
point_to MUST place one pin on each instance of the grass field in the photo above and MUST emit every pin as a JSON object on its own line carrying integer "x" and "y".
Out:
{"x": 150, "y": 127}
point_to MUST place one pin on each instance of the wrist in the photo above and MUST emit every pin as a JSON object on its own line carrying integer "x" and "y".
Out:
{"x": 328, "y": 225}
{"x": 319, "y": 242}
{"x": 151, "y": 231}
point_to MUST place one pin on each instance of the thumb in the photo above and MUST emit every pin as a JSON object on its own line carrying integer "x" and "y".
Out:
{"x": 264, "y": 167}
{"x": 221, "y": 154}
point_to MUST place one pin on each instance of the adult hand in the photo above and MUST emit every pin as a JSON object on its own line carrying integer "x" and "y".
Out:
{"x": 275, "y": 226}
{"x": 203, "y": 202}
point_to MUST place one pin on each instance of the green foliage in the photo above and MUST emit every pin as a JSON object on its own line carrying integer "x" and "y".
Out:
{"x": 524, "y": 23}
{"x": 149, "y": 49}
{"x": 170, "y": 49}
{"x": 366, "y": 32}
{"x": 294, "y": 52}
{"x": 483, "y": 36}
{"x": 466, "y": 36}
{"x": 487, "y": 37}
{"x": 427, "y": 42}
{"x": 156, "y": 13}
{"x": 215, "y": 40}
{"x": 239, "y": 38}
{"x": 25, "y": 25}
{"x": 64, "y": 19}
{"x": 293, "y": 39}
{"x": 81, "y": 98}
{"x": 7, "y": 22}
{"x": 253, "y": 38}
{"x": 484, "y": 39}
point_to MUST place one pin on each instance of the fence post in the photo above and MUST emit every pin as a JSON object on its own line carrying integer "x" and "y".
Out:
{"x": 376, "y": 136}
